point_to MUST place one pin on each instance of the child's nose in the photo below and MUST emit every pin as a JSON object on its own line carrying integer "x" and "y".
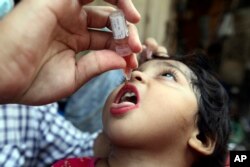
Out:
{"x": 138, "y": 76}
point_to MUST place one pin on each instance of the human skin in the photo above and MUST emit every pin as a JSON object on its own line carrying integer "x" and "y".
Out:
{"x": 162, "y": 123}
{"x": 39, "y": 41}
{"x": 102, "y": 144}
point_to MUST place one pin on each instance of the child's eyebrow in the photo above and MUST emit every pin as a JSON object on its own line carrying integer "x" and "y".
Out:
{"x": 164, "y": 63}
{"x": 188, "y": 75}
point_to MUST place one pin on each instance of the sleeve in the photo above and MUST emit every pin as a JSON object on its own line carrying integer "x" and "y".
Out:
{"x": 60, "y": 139}
{"x": 11, "y": 155}
{"x": 39, "y": 136}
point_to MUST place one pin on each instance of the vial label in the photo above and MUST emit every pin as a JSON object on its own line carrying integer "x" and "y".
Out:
{"x": 118, "y": 25}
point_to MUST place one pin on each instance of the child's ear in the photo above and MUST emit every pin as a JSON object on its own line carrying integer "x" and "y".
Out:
{"x": 203, "y": 147}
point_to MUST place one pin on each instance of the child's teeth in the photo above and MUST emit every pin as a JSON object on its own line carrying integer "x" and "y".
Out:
{"x": 127, "y": 95}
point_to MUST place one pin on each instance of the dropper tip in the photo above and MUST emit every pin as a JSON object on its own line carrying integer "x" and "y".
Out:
{"x": 127, "y": 74}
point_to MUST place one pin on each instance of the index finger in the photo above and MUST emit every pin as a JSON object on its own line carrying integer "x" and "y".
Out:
{"x": 130, "y": 12}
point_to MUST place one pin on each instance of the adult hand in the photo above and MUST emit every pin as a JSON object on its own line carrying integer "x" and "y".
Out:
{"x": 39, "y": 41}
{"x": 150, "y": 49}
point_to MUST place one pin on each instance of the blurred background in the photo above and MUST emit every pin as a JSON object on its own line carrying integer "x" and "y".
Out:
{"x": 222, "y": 29}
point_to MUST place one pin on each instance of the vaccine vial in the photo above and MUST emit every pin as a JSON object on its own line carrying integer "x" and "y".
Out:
{"x": 120, "y": 32}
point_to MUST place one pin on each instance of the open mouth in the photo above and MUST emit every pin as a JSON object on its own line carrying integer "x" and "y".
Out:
{"x": 126, "y": 100}
{"x": 129, "y": 94}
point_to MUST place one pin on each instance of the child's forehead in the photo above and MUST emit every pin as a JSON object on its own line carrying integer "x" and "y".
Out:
{"x": 158, "y": 63}
{"x": 171, "y": 63}
{"x": 161, "y": 61}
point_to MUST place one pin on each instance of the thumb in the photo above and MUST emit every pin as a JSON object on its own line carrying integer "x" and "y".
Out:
{"x": 131, "y": 61}
{"x": 95, "y": 63}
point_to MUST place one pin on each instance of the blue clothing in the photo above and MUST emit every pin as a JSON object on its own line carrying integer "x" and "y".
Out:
{"x": 5, "y": 7}
{"x": 38, "y": 136}
{"x": 84, "y": 108}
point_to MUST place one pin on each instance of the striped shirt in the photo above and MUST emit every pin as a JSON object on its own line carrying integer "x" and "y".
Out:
{"x": 37, "y": 136}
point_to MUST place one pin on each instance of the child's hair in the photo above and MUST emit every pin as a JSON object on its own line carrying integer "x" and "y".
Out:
{"x": 213, "y": 113}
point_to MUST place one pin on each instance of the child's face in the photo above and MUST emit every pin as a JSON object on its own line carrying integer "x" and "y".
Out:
{"x": 160, "y": 111}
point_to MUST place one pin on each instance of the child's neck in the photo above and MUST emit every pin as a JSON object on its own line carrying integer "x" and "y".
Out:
{"x": 124, "y": 157}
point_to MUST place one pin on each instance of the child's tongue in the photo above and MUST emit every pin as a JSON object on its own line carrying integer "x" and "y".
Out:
{"x": 122, "y": 104}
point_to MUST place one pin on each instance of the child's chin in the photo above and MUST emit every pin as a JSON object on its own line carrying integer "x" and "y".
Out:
{"x": 120, "y": 135}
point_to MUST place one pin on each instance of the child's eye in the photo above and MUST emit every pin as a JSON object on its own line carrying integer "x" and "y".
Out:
{"x": 170, "y": 75}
